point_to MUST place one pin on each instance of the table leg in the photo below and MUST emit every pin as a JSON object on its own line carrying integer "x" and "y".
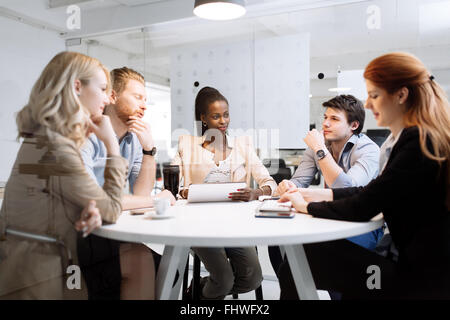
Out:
{"x": 301, "y": 272}
{"x": 282, "y": 251}
{"x": 173, "y": 259}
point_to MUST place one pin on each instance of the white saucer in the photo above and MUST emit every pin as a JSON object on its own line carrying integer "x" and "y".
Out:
{"x": 154, "y": 216}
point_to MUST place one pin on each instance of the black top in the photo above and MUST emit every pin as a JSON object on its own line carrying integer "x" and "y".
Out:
{"x": 411, "y": 193}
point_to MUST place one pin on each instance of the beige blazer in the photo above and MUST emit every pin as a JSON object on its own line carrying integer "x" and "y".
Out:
{"x": 31, "y": 269}
{"x": 195, "y": 162}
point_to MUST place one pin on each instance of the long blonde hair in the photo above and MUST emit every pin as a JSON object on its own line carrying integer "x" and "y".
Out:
{"x": 427, "y": 104}
{"x": 53, "y": 101}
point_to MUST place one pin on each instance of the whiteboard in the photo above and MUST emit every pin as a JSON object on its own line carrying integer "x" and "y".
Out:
{"x": 266, "y": 82}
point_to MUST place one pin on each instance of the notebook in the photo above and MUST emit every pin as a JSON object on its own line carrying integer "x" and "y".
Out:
{"x": 213, "y": 192}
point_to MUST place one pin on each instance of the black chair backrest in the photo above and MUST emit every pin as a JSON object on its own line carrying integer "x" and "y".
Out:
{"x": 277, "y": 169}
{"x": 378, "y": 135}
{"x": 158, "y": 171}
{"x": 282, "y": 174}
{"x": 278, "y": 163}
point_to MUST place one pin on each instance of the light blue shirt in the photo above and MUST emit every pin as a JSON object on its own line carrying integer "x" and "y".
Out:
{"x": 94, "y": 156}
{"x": 359, "y": 161}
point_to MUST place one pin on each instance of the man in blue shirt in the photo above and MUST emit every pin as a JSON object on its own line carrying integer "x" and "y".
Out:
{"x": 126, "y": 111}
{"x": 124, "y": 264}
{"x": 342, "y": 154}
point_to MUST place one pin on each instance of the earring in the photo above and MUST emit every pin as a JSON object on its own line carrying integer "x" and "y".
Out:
{"x": 204, "y": 124}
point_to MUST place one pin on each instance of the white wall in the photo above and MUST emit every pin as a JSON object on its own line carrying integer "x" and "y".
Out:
{"x": 260, "y": 78}
{"x": 24, "y": 52}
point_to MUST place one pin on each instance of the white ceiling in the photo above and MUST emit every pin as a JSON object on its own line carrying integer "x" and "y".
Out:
{"x": 339, "y": 34}
{"x": 93, "y": 4}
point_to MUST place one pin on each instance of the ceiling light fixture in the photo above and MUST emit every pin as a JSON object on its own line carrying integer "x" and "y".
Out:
{"x": 219, "y": 9}
{"x": 339, "y": 89}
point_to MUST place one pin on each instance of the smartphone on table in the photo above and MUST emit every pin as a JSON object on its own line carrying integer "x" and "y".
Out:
{"x": 267, "y": 214}
{"x": 274, "y": 209}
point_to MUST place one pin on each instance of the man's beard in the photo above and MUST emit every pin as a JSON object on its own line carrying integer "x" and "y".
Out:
{"x": 124, "y": 113}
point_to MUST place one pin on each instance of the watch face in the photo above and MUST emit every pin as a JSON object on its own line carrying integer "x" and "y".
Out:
{"x": 320, "y": 154}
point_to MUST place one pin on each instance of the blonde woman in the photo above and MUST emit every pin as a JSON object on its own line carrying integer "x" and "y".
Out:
{"x": 49, "y": 186}
{"x": 411, "y": 192}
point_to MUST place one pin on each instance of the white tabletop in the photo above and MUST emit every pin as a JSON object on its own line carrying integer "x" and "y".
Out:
{"x": 229, "y": 224}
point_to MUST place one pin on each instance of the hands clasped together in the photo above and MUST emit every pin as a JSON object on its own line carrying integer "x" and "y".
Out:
{"x": 288, "y": 191}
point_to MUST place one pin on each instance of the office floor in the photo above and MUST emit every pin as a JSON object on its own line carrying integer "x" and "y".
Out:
{"x": 270, "y": 287}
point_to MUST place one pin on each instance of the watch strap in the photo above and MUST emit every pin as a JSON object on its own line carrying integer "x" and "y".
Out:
{"x": 151, "y": 152}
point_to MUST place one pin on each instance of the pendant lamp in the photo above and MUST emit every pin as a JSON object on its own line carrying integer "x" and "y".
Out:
{"x": 219, "y": 9}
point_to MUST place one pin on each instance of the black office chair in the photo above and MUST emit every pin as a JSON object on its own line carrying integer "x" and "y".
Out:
{"x": 277, "y": 169}
{"x": 316, "y": 180}
{"x": 196, "y": 282}
{"x": 378, "y": 135}
{"x": 158, "y": 171}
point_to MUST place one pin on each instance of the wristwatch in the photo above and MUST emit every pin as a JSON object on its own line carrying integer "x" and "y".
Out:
{"x": 150, "y": 153}
{"x": 321, "y": 154}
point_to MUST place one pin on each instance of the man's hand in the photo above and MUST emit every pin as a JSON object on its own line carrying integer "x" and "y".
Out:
{"x": 142, "y": 131}
{"x": 168, "y": 195}
{"x": 245, "y": 194}
{"x": 284, "y": 186}
{"x": 315, "y": 140}
{"x": 90, "y": 219}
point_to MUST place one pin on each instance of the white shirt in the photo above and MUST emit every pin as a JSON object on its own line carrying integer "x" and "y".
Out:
{"x": 386, "y": 148}
{"x": 221, "y": 172}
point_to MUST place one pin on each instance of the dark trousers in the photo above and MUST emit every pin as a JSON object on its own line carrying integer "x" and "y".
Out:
{"x": 342, "y": 266}
{"x": 99, "y": 260}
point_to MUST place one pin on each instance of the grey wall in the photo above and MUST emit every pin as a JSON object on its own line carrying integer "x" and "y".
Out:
{"x": 24, "y": 52}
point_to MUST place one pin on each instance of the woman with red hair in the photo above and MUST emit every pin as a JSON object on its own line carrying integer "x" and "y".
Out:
{"x": 412, "y": 192}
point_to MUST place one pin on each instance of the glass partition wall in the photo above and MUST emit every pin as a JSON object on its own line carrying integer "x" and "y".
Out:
{"x": 276, "y": 65}
{"x": 276, "y": 68}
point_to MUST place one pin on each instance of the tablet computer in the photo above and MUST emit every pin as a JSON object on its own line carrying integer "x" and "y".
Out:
{"x": 213, "y": 192}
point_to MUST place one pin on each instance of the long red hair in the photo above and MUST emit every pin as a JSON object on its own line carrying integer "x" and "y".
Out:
{"x": 427, "y": 106}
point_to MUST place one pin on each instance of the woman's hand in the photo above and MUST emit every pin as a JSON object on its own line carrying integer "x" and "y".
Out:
{"x": 316, "y": 195}
{"x": 90, "y": 219}
{"x": 184, "y": 193}
{"x": 246, "y": 194}
{"x": 103, "y": 129}
{"x": 297, "y": 200}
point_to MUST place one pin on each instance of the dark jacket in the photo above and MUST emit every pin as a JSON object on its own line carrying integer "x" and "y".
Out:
{"x": 411, "y": 193}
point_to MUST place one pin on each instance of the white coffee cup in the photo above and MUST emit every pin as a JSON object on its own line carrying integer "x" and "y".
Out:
{"x": 161, "y": 205}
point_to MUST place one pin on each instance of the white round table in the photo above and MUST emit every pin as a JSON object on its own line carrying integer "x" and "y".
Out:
{"x": 229, "y": 224}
